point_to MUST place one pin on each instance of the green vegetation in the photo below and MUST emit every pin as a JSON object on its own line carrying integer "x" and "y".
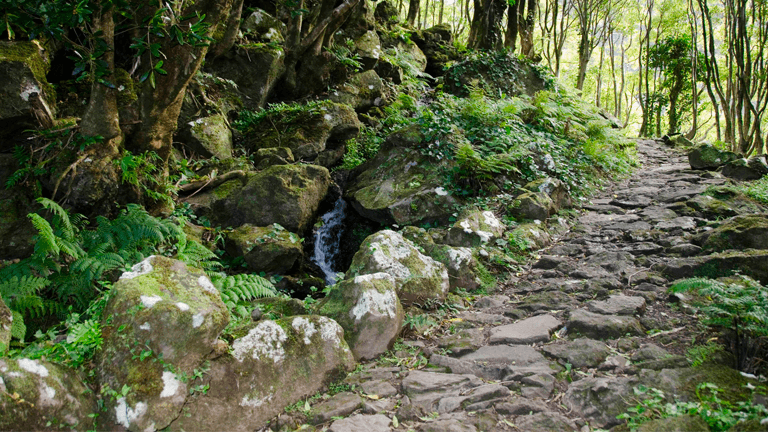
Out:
{"x": 757, "y": 190}
{"x": 719, "y": 414}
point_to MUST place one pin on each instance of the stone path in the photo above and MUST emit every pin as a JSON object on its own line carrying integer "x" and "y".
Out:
{"x": 597, "y": 293}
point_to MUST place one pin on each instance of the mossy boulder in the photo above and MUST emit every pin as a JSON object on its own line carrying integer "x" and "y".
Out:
{"x": 255, "y": 69}
{"x": 386, "y": 13}
{"x": 529, "y": 236}
{"x": 41, "y": 396}
{"x": 23, "y": 66}
{"x": 496, "y": 73}
{"x": 162, "y": 320}
{"x": 368, "y": 47}
{"x": 753, "y": 168}
{"x": 751, "y": 263}
{"x": 464, "y": 269}
{"x": 400, "y": 186}
{"x": 308, "y": 133}
{"x": 437, "y": 45}
{"x": 368, "y": 309}
{"x": 266, "y": 157}
{"x": 740, "y": 232}
{"x": 533, "y": 206}
{"x": 281, "y": 306}
{"x": 272, "y": 365}
{"x": 263, "y": 27}
{"x": 709, "y": 157}
{"x": 475, "y": 228}
{"x": 207, "y": 95}
{"x": 361, "y": 91}
{"x": 288, "y": 195}
{"x": 417, "y": 277}
{"x": 209, "y": 137}
{"x": 271, "y": 249}
{"x": 555, "y": 189}
{"x": 6, "y": 322}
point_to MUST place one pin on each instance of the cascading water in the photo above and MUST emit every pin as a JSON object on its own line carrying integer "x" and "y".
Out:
{"x": 328, "y": 238}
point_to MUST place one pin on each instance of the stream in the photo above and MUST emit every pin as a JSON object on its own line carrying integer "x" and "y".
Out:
{"x": 327, "y": 240}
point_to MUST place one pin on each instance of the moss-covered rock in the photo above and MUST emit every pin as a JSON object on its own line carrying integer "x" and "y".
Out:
{"x": 41, "y": 396}
{"x": 288, "y": 195}
{"x": 751, "y": 263}
{"x": 307, "y": 133}
{"x": 555, "y": 189}
{"x": 368, "y": 47}
{"x": 368, "y": 309}
{"x": 271, "y": 249}
{"x": 23, "y": 66}
{"x": 281, "y": 306}
{"x": 160, "y": 323}
{"x": 753, "y": 168}
{"x": 361, "y": 91}
{"x": 501, "y": 73}
{"x": 254, "y": 68}
{"x": 266, "y": 157}
{"x": 709, "y": 157}
{"x": 740, "y": 232}
{"x": 437, "y": 45}
{"x": 263, "y": 27}
{"x": 209, "y": 95}
{"x": 533, "y": 206}
{"x": 417, "y": 276}
{"x": 274, "y": 364}
{"x": 400, "y": 186}
{"x": 209, "y": 136}
{"x": 475, "y": 228}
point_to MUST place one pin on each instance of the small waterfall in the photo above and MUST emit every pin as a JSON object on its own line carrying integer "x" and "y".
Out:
{"x": 328, "y": 238}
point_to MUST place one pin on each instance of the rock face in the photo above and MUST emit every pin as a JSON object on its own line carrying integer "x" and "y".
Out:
{"x": 361, "y": 91}
{"x": 262, "y": 26}
{"x": 475, "y": 228}
{"x": 209, "y": 136}
{"x": 288, "y": 195}
{"x": 368, "y": 309}
{"x": 271, "y": 249}
{"x": 255, "y": 70}
{"x": 709, "y": 157}
{"x": 24, "y": 88}
{"x": 533, "y": 206}
{"x": 162, "y": 320}
{"x": 42, "y": 396}
{"x": 417, "y": 276}
{"x": 272, "y": 365}
{"x": 437, "y": 45}
{"x": 405, "y": 190}
{"x": 308, "y": 134}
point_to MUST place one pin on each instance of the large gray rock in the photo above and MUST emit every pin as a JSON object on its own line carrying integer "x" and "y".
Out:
{"x": 618, "y": 305}
{"x": 254, "y": 68}
{"x": 527, "y": 331}
{"x": 361, "y": 91}
{"x": 209, "y": 136}
{"x": 475, "y": 228}
{"x": 308, "y": 132}
{"x": 368, "y": 309}
{"x": 417, "y": 277}
{"x": 533, "y": 206}
{"x": 288, "y": 195}
{"x": 740, "y": 232}
{"x": 600, "y": 400}
{"x": 161, "y": 321}
{"x": 24, "y": 88}
{"x": 445, "y": 393}
{"x": 749, "y": 262}
{"x": 555, "y": 189}
{"x": 600, "y": 326}
{"x": 41, "y": 396}
{"x": 271, "y": 249}
{"x": 580, "y": 353}
{"x": 262, "y": 26}
{"x": 747, "y": 169}
{"x": 272, "y": 365}
{"x": 709, "y": 157}
{"x": 368, "y": 47}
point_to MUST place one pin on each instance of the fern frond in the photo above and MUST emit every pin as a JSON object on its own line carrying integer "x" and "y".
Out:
{"x": 45, "y": 240}
{"x": 19, "y": 287}
{"x": 68, "y": 229}
{"x": 18, "y": 328}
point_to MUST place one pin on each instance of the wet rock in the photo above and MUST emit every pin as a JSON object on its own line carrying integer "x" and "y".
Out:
{"x": 339, "y": 405}
{"x": 599, "y": 326}
{"x": 159, "y": 310}
{"x": 271, "y": 249}
{"x": 545, "y": 422}
{"x": 747, "y": 169}
{"x": 475, "y": 228}
{"x": 527, "y": 331}
{"x": 600, "y": 400}
{"x": 271, "y": 365}
{"x": 417, "y": 276}
{"x": 42, "y": 396}
{"x": 362, "y": 423}
{"x": 618, "y": 305}
{"x": 580, "y": 353}
{"x": 368, "y": 309}
{"x": 208, "y": 136}
{"x": 708, "y": 157}
{"x": 288, "y": 195}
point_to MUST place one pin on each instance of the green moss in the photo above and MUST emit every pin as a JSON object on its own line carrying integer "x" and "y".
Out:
{"x": 122, "y": 80}
{"x": 29, "y": 54}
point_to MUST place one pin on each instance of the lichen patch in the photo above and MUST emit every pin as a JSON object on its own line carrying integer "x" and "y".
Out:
{"x": 146, "y": 326}
{"x": 126, "y": 415}
{"x": 149, "y": 301}
{"x": 139, "y": 269}
{"x": 374, "y": 301}
{"x": 265, "y": 340}
{"x": 182, "y": 306}
{"x": 197, "y": 320}
{"x": 305, "y": 327}
{"x": 329, "y": 331}
{"x": 207, "y": 285}
{"x": 170, "y": 385}
{"x": 33, "y": 366}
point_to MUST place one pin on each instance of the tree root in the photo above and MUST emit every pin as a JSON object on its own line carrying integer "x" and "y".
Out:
{"x": 212, "y": 182}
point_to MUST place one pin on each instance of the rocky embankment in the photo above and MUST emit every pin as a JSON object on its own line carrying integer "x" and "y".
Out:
{"x": 562, "y": 346}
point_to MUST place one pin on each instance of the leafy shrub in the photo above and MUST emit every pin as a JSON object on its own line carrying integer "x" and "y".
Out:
{"x": 758, "y": 190}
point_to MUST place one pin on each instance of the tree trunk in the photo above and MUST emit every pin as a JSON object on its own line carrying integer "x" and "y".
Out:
{"x": 413, "y": 12}
{"x": 230, "y": 33}
{"x": 486, "y": 25}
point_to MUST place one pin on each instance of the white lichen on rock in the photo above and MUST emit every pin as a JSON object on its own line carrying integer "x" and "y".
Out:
{"x": 182, "y": 306}
{"x": 207, "y": 285}
{"x": 170, "y": 385}
{"x": 197, "y": 320}
{"x": 265, "y": 340}
{"x": 47, "y": 395}
{"x": 329, "y": 331}
{"x": 149, "y": 301}
{"x": 139, "y": 269}
{"x": 458, "y": 257}
{"x": 146, "y": 326}
{"x": 440, "y": 191}
{"x": 491, "y": 220}
{"x": 305, "y": 327}
{"x": 33, "y": 366}
{"x": 126, "y": 415}
{"x": 374, "y": 301}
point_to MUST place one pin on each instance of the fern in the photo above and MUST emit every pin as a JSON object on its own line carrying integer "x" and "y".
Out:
{"x": 237, "y": 290}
